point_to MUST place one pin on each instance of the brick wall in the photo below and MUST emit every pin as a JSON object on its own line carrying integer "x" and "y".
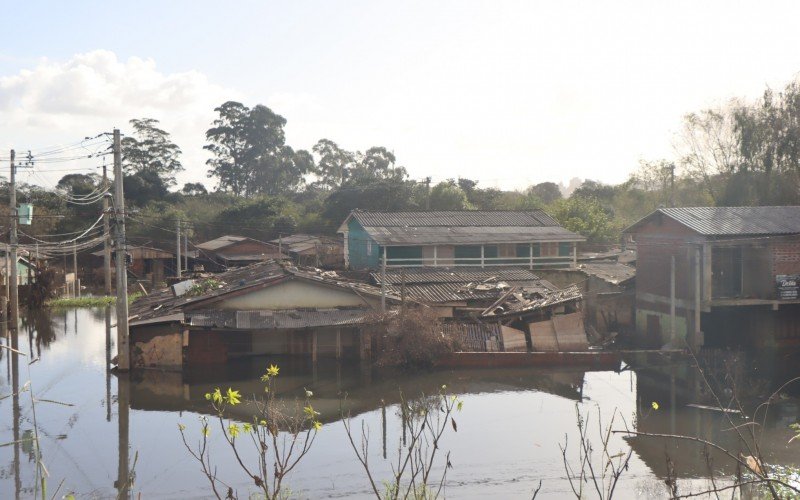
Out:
{"x": 786, "y": 257}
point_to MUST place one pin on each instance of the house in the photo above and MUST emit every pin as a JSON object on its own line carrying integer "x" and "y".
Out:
{"x": 718, "y": 276}
{"x": 234, "y": 251}
{"x": 263, "y": 308}
{"x": 309, "y": 250}
{"x": 147, "y": 264}
{"x": 477, "y": 238}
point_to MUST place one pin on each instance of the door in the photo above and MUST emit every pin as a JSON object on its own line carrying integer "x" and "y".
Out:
{"x": 726, "y": 272}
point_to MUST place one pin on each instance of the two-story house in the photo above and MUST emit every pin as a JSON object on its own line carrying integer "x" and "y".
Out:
{"x": 474, "y": 238}
{"x": 718, "y": 275}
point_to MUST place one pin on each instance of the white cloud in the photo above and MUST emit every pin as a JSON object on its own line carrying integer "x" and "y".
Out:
{"x": 63, "y": 102}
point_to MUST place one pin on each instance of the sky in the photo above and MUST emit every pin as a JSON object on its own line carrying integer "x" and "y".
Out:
{"x": 509, "y": 93}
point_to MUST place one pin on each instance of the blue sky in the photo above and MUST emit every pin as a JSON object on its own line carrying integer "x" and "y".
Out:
{"x": 510, "y": 93}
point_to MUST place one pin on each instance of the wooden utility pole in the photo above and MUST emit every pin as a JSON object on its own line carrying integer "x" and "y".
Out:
{"x": 186, "y": 252}
{"x": 106, "y": 238}
{"x": 673, "y": 340}
{"x": 383, "y": 281}
{"x": 76, "y": 285}
{"x": 178, "y": 249}
{"x": 13, "y": 279}
{"x": 123, "y": 351}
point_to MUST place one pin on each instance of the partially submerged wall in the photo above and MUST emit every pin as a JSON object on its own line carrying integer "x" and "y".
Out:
{"x": 157, "y": 346}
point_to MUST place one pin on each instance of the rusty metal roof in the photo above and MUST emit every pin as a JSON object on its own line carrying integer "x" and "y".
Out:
{"x": 733, "y": 221}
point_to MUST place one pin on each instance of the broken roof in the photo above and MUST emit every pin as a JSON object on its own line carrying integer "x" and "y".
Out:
{"x": 732, "y": 221}
{"x": 164, "y": 305}
{"x": 518, "y": 303}
{"x": 460, "y": 227}
{"x": 444, "y": 285}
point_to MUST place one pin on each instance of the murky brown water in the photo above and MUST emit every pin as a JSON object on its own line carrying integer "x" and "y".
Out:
{"x": 508, "y": 432}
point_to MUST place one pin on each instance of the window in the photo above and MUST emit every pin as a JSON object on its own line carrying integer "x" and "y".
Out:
{"x": 564, "y": 249}
{"x": 406, "y": 256}
{"x": 468, "y": 255}
{"x": 523, "y": 250}
{"x": 490, "y": 251}
{"x": 369, "y": 247}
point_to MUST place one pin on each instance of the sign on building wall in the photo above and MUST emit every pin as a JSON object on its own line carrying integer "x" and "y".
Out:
{"x": 788, "y": 286}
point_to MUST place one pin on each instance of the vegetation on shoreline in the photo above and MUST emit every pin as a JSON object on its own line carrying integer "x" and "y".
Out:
{"x": 88, "y": 301}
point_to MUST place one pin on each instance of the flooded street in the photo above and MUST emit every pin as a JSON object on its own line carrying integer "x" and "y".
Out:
{"x": 91, "y": 422}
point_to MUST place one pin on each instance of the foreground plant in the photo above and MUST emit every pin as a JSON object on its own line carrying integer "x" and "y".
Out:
{"x": 280, "y": 439}
{"x": 414, "y": 471}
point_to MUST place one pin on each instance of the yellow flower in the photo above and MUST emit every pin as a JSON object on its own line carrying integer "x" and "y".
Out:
{"x": 216, "y": 396}
{"x": 181, "y": 427}
{"x": 234, "y": 430}
{"x": 309, "y": 411}
{"x": 233, "y": 397}
{"x": 317, "y": 425}
{"x": 247, "y": 428}
{"x": 273, "y": 370}
{"x": 206, "y": 430}
{"x": 654, "y": 405}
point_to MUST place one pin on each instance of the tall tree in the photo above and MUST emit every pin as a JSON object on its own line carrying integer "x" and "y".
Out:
{"x": 150, "y": 150}
{"x": 250, "y": 154}
{"x": 547, "y": 192}
{"x": 332, "y": 165}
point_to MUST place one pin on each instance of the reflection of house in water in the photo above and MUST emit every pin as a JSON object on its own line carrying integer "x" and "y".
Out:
{"x": 330, "y": 382}
{"x": 263, "y": 308}
{"x": 730, "y": 274}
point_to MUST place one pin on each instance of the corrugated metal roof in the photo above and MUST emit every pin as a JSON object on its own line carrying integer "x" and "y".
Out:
{"x": 469, "y": 218}
{"x": 454, "y": 275}
{"x": 465, "y": 235}
{"x": 611, "y": 272}
{"x": 734, "y": 221}
{"x": 279, "y": 319}
{"x": 438, "y": 293}
{"x": 221, "y": 242}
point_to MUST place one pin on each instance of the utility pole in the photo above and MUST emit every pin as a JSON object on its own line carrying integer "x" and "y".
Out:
{"x": 106, "y": 238}
{"x": 14, "y": 288}
{"x": 186, "y": 252}
{"x": 76, "y": 286}
{"x": 178, "y": 249}
{"x": 123, "y": 351}
{"x": 383, "y": 281}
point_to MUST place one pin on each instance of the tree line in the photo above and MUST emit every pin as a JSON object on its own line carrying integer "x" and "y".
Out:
{"x": 742, "y": 153}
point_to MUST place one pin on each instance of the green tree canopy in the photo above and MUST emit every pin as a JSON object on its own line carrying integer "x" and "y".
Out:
{"x": 149, "y": 150}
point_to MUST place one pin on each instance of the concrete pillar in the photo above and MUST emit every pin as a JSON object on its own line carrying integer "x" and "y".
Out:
{"x": 314, "y": 346}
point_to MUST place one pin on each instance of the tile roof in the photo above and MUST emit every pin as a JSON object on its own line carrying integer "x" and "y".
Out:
{"x": 734, "y": 221}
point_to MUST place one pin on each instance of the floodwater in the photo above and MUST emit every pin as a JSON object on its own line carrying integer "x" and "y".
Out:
{"x": 93, "y": 426}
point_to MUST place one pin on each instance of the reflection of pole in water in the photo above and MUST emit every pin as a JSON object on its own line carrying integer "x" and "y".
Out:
{"x": 108, "y": 364}
{"x": 383, "y": 425}
{"x": 123, "y": 391}
{"x": 16, "y": 410}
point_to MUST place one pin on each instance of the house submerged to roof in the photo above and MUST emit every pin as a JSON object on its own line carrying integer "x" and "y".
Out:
{"x": 718, "y": 275}
{"x": 477, "y": 238}
{"x": 263, "y": 308}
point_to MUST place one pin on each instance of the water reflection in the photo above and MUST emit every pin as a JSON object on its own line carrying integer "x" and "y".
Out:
{"x": 508, "y": 433}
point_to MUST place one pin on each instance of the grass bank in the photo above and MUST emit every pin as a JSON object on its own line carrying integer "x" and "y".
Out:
{"x": 89, "y": 301}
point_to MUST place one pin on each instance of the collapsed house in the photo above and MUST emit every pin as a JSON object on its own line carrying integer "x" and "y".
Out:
{"x": 310, "y": 250}
{"x": 263, "y": 308}
{"x": 229, "y": 251}
{"x": 508, "y": 309}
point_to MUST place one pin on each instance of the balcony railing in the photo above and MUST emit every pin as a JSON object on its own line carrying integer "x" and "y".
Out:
{"x": 550, "y": 261}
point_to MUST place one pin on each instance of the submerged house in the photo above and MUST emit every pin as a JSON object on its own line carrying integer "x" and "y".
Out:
{"x": 264, "y": 308}
{"x": 147, "y": 264}
{"x": 718, "y": 276}
{"x": 476, "y": 238}
{"x": 233, "y": 251}
{"x": 310, "y": 250}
